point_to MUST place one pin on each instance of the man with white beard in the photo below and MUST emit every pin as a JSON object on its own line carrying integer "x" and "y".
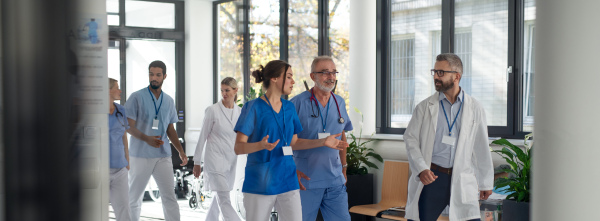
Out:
{"x": 322, "y": 170}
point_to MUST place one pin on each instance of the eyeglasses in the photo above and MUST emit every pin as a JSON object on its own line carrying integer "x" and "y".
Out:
{"x": 440, "y": 73}
{"x": 333, "y": 73}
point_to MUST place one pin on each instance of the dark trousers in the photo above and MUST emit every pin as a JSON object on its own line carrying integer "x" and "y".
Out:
{"x": 435, "y": 197}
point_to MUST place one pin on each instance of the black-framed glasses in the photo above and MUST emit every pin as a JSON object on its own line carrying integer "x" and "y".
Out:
{"x": 440, "y": 73}
{"x": 332, "y": 73}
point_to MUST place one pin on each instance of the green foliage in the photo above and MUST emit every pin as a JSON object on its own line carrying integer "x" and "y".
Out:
{"x": 251, "y": 96}
{"x": 358, "y": 154}
{"x": 520, "y": 169}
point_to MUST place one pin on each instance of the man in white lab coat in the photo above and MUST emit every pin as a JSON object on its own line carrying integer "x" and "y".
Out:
{"x": 448, "y": 151}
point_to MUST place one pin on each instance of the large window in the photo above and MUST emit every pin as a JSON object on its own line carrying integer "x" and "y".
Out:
{"x": 141, "y": 32}
{"x": 497, "y": 68}
{"x": 250, "y": 33}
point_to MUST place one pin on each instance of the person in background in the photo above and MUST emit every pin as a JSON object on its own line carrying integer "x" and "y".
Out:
{"x": 151, "y": 114}
{"x": 118, "y": 154}
{"x": 448, "y": 151}
{"x": 266, "y": 131}
{"x": 218, "y": 156}
{"x": 323, "y": 169}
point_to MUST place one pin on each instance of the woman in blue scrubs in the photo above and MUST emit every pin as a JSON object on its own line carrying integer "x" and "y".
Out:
{"x": 266, "y": 131}
{"x": 119, "y": 154}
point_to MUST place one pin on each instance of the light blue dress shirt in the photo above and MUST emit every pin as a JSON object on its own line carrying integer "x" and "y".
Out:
{"x": 443, "y": 154}
{"x": 269, "y": 172}
{"x": 321, "y": 164}
{"x": 117, "y": 125}
{"x": 140, "y": 107}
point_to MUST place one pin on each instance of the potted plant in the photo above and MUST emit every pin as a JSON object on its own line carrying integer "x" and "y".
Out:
{"x": 516, "y": 206}
{"x": 358, "y": 157}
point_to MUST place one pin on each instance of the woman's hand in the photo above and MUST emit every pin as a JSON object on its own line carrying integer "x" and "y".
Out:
{"x": 331, "y": 142}
{"x": 266, "y": 145}
{"x": 197, "y": 171}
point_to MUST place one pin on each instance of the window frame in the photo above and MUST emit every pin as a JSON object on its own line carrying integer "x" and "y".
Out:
{"x": 323, "y": 41}
{"x": 122, "y": 33}
{"x": 514, "y": 105}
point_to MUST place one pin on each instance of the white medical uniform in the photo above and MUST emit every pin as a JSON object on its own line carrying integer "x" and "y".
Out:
{"x": 218, "y": 157}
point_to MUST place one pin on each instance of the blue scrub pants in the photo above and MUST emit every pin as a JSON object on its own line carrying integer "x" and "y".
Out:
{"x": 435, "y": 197}
{"x": 332, "y": 201}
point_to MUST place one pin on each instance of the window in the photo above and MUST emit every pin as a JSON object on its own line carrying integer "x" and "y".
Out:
{"x": 291, "y": 30}
{"x": 229, "y": 46}
{"x": 478, "y": 31}
{"x": 413, "y": 39}
{"x": 141, "y": 32}
{"x": 402, "y": 78}
{"x": 528, "y": 65}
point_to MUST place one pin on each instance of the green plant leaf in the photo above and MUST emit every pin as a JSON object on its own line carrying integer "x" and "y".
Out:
{"x": 376, "y": 156}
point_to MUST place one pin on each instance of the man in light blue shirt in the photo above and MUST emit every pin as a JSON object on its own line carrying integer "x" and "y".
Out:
{"x": 322, "y": 170}
{"x": 151, "y": 115}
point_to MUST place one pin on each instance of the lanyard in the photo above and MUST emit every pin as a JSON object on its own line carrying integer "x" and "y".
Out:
{"x": 273, "y": 111}
{"x": 457, "y": 113}
{"x": 324, "y": 123}
{"x": 155, "y": 109}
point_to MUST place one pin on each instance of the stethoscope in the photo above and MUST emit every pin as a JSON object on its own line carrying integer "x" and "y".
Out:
{"x": 312, "y": 107}
{"x": 122, "y": 122}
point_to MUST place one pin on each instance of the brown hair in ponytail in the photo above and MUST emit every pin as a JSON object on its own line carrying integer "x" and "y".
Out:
{"x": 273, "y": 69}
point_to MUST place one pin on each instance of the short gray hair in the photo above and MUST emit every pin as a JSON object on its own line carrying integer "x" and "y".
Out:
{"x": 453, "y": 60}
{"x": 319, "y": 59}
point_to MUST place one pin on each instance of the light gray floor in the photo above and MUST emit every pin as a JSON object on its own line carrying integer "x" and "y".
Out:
{"x": 152, "y": 211}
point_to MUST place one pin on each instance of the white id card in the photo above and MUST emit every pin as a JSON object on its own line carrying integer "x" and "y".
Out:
{"x": 287, "y": 150}
{"x": 323, "y": 135}
{"x": 448, "y": 140}
{"x": 155, "y": 124}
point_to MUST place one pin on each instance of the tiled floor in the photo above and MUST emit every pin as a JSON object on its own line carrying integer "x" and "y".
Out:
{"x": 152, "y": 211}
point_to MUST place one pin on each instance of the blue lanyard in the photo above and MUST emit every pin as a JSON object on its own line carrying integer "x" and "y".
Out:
{"x": 324, "y": 123}
{"x": 454, "y": 121}
{"x": 274, "y": 115}
{"x": 161, "y": 99}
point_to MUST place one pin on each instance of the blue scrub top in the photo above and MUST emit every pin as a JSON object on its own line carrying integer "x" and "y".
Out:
{"x": 269, "y": 172}
{"x": 321, "y": 164}
{"x": 140, "y": 108}
{"x": 117, "y": 125}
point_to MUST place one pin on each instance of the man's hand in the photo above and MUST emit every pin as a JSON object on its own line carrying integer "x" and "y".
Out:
{"x": 266, "y": 145}
{"x": 427, "y": 177}
{"x": 301, "y": 175}
{"x": 197, "y": 171}
{"x": 184, "y": 158}
{"x": 332, "y": 142}
{"x": 127, "y": 167}
{"x": 154, "y": 141}
{"x": 484, "y": 194}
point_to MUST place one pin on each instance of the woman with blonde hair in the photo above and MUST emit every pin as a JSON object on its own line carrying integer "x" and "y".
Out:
{"x": 118, "y": 154}
{"x": 218, "y": 156}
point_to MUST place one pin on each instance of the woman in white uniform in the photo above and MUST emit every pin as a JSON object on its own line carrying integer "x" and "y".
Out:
{"x": 219, "y": 158}
{"x": 119, "y": 154}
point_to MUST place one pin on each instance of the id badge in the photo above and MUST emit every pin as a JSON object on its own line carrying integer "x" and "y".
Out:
{"x": 155, "y": 124}
{"x": 448, "y": 140}
{"x": 323, "y": 135}
{"x": 287, "y": 150}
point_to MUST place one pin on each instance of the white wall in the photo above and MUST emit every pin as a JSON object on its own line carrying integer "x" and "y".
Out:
{"x": 565, "y": 178}
{"x": 198, "y": 67}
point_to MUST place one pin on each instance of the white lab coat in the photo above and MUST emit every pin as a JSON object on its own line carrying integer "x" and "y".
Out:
{"x": 473, "y": 169}
{"x": 218, "y": 156}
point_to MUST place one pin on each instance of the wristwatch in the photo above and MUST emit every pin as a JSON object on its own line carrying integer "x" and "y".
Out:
{"x": 345, "y": 165}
